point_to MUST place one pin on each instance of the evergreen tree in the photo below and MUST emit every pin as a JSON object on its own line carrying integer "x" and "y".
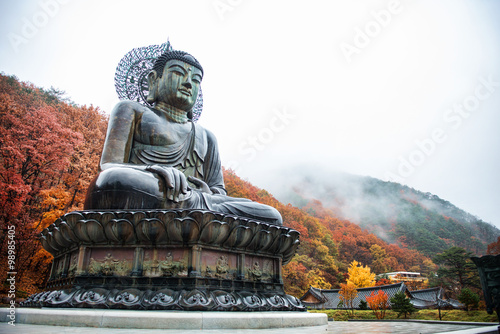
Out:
{"x": 468, "y": 298}
{"x": 456, "y": 270}
{"x": 402, "y": 305}
{"x": 363, "y": 305}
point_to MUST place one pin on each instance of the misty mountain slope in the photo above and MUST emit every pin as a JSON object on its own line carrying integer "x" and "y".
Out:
{"x": 394, "y": 212}
{"x": 328, "y": 245}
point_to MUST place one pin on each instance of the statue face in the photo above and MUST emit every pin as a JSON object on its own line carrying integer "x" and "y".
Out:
{"x": 179, "y": 84}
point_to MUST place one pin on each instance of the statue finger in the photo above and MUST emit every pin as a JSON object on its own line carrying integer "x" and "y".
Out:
{"x": 195, "y": 180}
{"x": 184, "y": 184}
{"x": 169, "y": 177}
{"x": 177, "y": 187}
{"x": 169, "y": 193}
{"x": 169, "y": 182}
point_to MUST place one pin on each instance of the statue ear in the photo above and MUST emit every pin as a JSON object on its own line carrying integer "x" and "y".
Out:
{"x": 152, "y": 86}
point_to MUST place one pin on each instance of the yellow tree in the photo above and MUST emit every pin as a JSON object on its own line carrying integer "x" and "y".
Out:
{"x": 347, "y": 294}
{"x": 315, "y": 278}
{"x": 379, "y": 255}
{"x": 359, "y": 276}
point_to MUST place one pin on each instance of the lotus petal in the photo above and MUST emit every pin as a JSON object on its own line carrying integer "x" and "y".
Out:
{"x": 60, "y": 239}
{"x": 174, "y": 231}
{"x": 214, "y": 233}
{"x": 47, "y": 245}
{"x": 263, "y": 240}
{"x": 89, "y": 231}
{"x": 72, "y": 218}
{"x": 66, "y": 231}
{"x": 152, "y": 230}
{"x": 120, "y": 231}
{"x": 239, "y": 237}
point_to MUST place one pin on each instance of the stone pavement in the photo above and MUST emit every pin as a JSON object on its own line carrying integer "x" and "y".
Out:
{"x": 338, "y": 327}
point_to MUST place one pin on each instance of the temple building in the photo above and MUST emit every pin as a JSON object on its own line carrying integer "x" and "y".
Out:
{"x": 316, "y": 298}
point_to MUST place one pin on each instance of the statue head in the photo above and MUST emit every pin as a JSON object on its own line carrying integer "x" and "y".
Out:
{"x": 175, "y": 80}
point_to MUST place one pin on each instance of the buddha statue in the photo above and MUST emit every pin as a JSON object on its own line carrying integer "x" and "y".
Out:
{"x": 158, "y": 158}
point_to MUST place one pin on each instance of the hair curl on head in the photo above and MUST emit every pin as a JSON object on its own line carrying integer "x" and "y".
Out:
{"x": 159, "y": 64}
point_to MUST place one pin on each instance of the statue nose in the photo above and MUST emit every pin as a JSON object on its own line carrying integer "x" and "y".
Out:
{"x": 187, "y": 84}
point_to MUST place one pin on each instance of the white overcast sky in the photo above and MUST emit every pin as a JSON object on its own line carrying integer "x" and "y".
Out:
{"x": 408, "y": 89}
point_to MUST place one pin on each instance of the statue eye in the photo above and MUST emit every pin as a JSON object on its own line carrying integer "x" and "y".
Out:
{"x": 177, "y": 70}
{"x": 196, "y": 78}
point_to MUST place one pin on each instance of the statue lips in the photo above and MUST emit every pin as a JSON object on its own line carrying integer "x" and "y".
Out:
{"x": 185, "y": 92}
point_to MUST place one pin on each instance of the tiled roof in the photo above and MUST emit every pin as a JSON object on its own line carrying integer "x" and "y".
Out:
{"x": 332, "y": 297}
{"x": 431, "y": 294}
{"x": 427, "y": 298}
{"x": 316, "y": 293}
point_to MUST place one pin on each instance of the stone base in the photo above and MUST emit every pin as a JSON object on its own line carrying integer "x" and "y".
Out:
{"x": 164, "y": 319}
{"x": 166, "y": 299}
{"x": 185, "y": 260}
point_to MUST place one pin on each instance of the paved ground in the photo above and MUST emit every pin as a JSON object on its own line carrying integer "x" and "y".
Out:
{"x": 338, "y": 327}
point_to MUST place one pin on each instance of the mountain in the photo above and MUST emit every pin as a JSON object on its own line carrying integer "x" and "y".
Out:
{"x": 328, "y": 245}
{"x": 394, "y": 212}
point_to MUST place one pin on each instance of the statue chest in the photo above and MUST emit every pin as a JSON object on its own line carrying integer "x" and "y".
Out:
{"x": 155, "y": 130}
{"x": 159, "y": 141}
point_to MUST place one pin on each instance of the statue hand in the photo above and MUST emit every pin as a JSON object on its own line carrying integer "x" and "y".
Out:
{"x": 175, "y": 180}
{"x": 200, "y": 184}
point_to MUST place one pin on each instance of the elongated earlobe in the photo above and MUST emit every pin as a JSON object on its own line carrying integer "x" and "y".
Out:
{"x": 152, "y": 86}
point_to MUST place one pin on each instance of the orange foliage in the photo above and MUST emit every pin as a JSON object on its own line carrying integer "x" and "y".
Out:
{"x": 494, "y": 248}
{"x": 347, "y": 294}
{"x": 378, "y": 302}
{"x": 49, "y": 152}
{"x": 383, "y": 281}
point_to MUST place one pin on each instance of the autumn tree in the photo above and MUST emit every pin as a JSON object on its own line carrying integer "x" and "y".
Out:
{"x": 347, "y": 294}
{"x": 295, "y": 278}
{"x": 379, "y": 255}
{"x": 360, "y": 276}
{"x": 316, "y": 279}
{"x": 494, "y": 248}
{"x": 42, "y": 145}
{"x": 34, "y": 150}
{"x": 378, "y": 302}
{"x": 383, "y": 281}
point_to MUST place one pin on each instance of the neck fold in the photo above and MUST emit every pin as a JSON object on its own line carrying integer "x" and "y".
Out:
{"x": 174, "y": 114}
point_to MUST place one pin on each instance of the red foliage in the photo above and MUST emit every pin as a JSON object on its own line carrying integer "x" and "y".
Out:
{"x": 43, "y": 145}
{"x": 494, "y": 248}
{"x": 383, "y": 281}
{"x": 378, "y": 302}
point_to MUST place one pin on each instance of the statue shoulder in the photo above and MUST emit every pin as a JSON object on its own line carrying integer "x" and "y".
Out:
{"x": 128, "y": 108}
{"x": 210, "y": 137}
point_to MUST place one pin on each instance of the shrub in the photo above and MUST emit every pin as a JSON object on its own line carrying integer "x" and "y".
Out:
{"x": 469, "y": 299}
{"x": 363, "y": 305}
{"x": 378, "y": 302}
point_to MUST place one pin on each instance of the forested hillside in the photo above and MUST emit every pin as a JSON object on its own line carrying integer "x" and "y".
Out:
{"x": 49, "y": 152}
{"x": 329, "y": 245}
{"x": 394, "y": 212}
